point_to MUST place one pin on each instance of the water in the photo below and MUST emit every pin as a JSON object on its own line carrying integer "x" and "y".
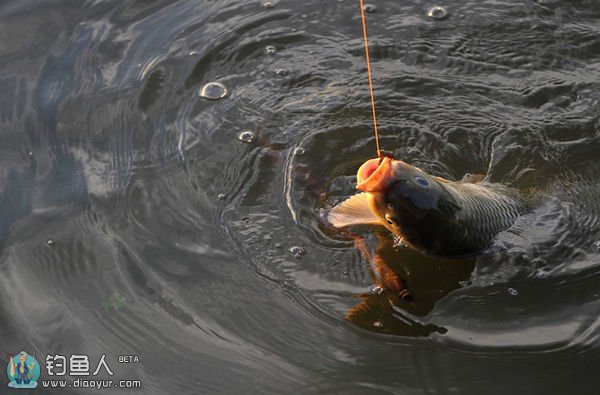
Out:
{"x": 437, "y": 12}
{"x": 213, "y": 91}
{"x": 246, "y": 136}
{"x": 171, "y": 239}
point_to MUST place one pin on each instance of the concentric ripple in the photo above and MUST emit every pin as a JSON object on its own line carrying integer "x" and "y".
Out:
{"x": 138, "y": 217}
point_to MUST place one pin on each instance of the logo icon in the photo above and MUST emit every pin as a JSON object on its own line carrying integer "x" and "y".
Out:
{"x": 23, "y": 371}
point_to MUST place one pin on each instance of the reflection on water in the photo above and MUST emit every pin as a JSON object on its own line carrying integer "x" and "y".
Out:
{"x": 177, "y": 236}
{"x": 407, "y": 286}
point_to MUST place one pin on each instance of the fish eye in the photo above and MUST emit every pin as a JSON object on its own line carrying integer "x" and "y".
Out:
{"x": 421, "y": 181}
{"x": 389, "y": 220}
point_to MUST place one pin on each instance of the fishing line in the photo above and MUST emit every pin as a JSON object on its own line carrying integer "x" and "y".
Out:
{"x": 364, "y": 25}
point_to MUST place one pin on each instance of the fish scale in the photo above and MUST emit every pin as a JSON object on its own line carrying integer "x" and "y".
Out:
{"x": 430, "y": 214}
{"x": 486, "y": 211}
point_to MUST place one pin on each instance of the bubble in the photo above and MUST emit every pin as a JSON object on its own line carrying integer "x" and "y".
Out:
{"x": 268, "y": 4}
{"x": 282, "y": 72}
{"x": 299, "y": 151}
{"x": 437, "y": 12}
{"x": 270, "y": 50}
{"x": 193, "y": 53}
{"x": 30, "y": 154}
{"x": 246, "y": 136}
{"x": 50, "y": 243}
{"x": 213, "y": 91}
{"x": 541, "y": 274}
{"x": 513, "y": 291}
{"x": 268, "y": 238}
{"x": 597, "y": 246}
{"x": 378, "y": 324}
{"x": 246, "y": 219}
{"x": 297, "y": 252}
{"x": 370, "y": 8}
{"x": 376, "y": 290}
{"x": 221, "y": 196}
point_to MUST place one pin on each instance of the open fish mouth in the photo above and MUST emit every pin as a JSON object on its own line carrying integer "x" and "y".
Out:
{"x": 374, "y": 174}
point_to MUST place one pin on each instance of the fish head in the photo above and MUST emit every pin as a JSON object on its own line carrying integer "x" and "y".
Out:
{"x": 409, "y": 202}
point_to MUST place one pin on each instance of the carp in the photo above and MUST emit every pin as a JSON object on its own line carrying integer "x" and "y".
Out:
{"x": 428, "y": 213}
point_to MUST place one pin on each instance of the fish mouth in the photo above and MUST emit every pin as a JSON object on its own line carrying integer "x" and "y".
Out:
{"x": 374, "y": 174}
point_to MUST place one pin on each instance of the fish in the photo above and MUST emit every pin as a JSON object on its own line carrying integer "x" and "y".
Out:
{"x": 430, "y": 214}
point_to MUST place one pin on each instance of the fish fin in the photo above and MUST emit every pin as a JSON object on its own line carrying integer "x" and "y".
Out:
{"x": 367, "y": 310}
{"x": 352, "y": 211}
{"x": 472, "y": 178}
{"x": 441, "y": 179}
{"x": 374, "y": 309}
{"x": 467, "y": 178}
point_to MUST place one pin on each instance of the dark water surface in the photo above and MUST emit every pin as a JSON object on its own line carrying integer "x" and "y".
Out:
{"x": 172, "y": 237}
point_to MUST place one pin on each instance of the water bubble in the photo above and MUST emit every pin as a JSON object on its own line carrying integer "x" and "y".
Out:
{"x": 297, "y": 252}
{"x": 437, "y": 12}
{"x": 246, "y": 219}
{"x": 376, "y": 290}
{"x": 246, "y": 136}
{"x": 278, "y": 245}
{"x": 378, "y": 324}
{"x": 299, "y": 151}
{"x": 193, "y": 53}
{"x": 270, "y": 50}
{"x": 513, "y": 291}
{"x": 213, "y": 91}
{"x": 597, "y": 246}
{"x": 541, "y": 274}
{"x": 268, "y": 4}
{"x": 50, "y": 243}
{"x": 282, "y": 72}
{"x": 268, "y": 238}
{"x": 221, "y": 196}
{"x": 370, "y": 8}
{"x": 30, "y": 154}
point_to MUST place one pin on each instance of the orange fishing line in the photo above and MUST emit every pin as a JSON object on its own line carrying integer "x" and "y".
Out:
{"x": 364, "y": 24}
